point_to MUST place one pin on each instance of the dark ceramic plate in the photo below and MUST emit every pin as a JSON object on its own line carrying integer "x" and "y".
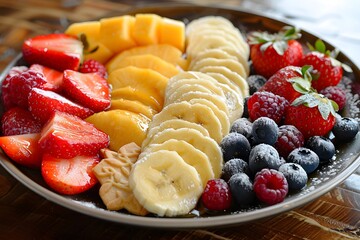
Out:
{"x": 345, "y": 163}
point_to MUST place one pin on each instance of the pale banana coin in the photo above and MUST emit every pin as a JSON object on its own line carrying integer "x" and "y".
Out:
{"x": 196, "y": 113}
{"x": 165, "y": 184}
{"x": 188, "y": 75}
{"x": 206, "y": 145}
{"x": 243, "y": 59}
{"x": 189, "y": 153}
{"x": 232, "y": 76}
{"x": 218, "y": 101}
{"x": 211, "y": 85}
{"x": 208, "y": 20}
{"x": 233, "y": 65}
{"x": 221, "y": 115}
{"x": 173, "y": 124}
{"x": 178, "y": 92}
{"x": 214, "y": 53}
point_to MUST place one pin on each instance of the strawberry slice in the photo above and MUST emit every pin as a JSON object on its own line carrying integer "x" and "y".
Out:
{"x": 23, "y": 149}
{"x": 5, "y": 87}
{"x": 69, "y": 176}
{"x": 53, "y": 77}
{"x": 89, "y": 89}
{"x": 67, "y": 136}
{"x": 57, "y": 51}
{"x": 18, "y": 121}
{"x": 43, "y": 103}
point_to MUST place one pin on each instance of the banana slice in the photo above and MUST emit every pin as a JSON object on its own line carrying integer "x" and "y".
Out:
{"x": 173, "y": 124}
{"x": 206, "y": 145}
{"x": 178, "y": 92}
{"x": 214, "y": 53}
{"x": 243, "y": 59}
{"x": 208, "y": 20}
{"x": 210, "y": 42}
{"x": 189, "y": 154}
{"x": 223, "y": 118}
{"x": 165, "y": 184}
{"x": 232, "y": 76}
{"x": 196, "y": 113}
{"x": 233, "y": 65}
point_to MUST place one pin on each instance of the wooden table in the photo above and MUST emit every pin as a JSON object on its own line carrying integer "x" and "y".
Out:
{"x": 26, "y": 215}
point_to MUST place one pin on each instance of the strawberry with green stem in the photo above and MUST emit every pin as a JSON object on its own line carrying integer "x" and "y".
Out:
{"x": 271, "y": 52}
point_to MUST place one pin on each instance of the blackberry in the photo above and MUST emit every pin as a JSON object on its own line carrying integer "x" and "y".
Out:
{"x": 336, "y": 94}
{"x": 322, "y": 146}
{"x": 242, "y": 126}
{"x": 305, "y": 157}
{"x": 235, "y": 145}
{"x": 289, "y": 138}
{"x": 234, "y": 166}
{"x": 267, "y": 104}
{"x": 242, "y": 190}
{"x": 345, "y": 129}
{"x": 255, "y": 82}
{"x": 265, "y": 130}
{"x": 295, "y": 175}
{"x": 264, "y": 156}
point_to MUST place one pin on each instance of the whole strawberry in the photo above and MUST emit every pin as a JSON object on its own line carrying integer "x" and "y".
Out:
{"x": 312, "y": 114}
{"x": 271, "y": 52}
{"x": 289, "y": 82}
{"x": 327, "y": 71}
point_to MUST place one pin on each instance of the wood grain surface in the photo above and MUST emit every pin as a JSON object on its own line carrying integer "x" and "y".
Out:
{"x": 26, "y": 215}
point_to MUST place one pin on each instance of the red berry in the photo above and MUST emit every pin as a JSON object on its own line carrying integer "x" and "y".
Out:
{"x": 289, "y": 138}
{"x": 93, "y": 66}
{"x": 5, "y": 87}
{"x": 336, "y": 94}
{"x": 267, "y": 104}
{"x": 17, "y": 121}
{"x": 270, "y": 186}
{"x": 217, "y": 195}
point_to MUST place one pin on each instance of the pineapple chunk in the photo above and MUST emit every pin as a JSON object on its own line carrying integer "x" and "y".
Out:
{"x": 164, "y": 51}
{"x": 115, "y": 33}
{"x": 132, "y": 106}
{"x": 91, "y": 29}
{"x": 102, "y": 54}
{"x": 150, "y": 61}
{"x": 172, "y": 32}
{"x": 146, "y": 29}
{"x": 122, "y": 126}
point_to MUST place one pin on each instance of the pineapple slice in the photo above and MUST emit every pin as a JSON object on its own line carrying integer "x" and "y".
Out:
{"x": 115, "y": 33}
{"x": 150, "y": 61}
{"x": 164, "y": 51}
{"x": 132, "y": 106}
{"x": 146, "y": 29}
{"x": 122, "y": 126}
{"x": 172, "y": 32}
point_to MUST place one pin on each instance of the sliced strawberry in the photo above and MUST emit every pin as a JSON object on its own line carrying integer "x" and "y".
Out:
{"x": 43, "y": 103}
{"x": 52, "y": 76}
{"x": 23, "y": 149}
{"x": 57, "y": 51}
{"x": 67, "y": 136}
{"x": 89, "y": 89}
{"x": 69, "y": 176}
{"x": 5, "y": 87}
{"x": 17, "y": 121}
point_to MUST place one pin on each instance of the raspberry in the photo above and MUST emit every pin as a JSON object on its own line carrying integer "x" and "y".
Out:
{"x": 217, "y": 195}
{"x": 336, "y": 94}
{"x": 267, "y": 104}
{"x": 17, "y": 121}
{"x": 289, "y": 138}
{"x": 93, "y": 66}
{"x": 270, "y": 186}
{"x": 5, "y": 87}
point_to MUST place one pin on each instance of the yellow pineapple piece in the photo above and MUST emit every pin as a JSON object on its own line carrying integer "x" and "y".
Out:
{"x": 164, "y": 51}
{"x": 91, "y": 29}
{"x": 134, "y": 94}
{"x": 172, "y": 32}
{"x": 144, "y": 79}
{"x": 102, "y": 54}
{"x": 115, "y": 33}
{"x": 132, "y": 106}
{"x": 146, "y": 29}
{"x": 150, "y": 61}
{"x": 122, "y": 126}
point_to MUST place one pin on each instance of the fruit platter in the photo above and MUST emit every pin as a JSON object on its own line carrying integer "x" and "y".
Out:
{"x": 180, "y": 117}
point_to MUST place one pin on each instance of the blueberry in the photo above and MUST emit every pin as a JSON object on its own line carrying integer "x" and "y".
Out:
{"x": 234, "y": 166}
{"x": 255, "y": 83}
{"x": 246, "y": 109}
{"x": 265, "y": 130}
{"x": 295, "y": 175}
{"x": 242, "y": 126}
{"x": 305, "y": 157}
{"x": 241, "y": 189}
{"x": 264, "y": 156}
{"x": 322, "y": 146}
{"x": 345, "y": 129}
{"x": 235, "y": 145}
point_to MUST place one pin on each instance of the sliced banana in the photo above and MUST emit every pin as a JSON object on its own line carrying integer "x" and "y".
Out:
{"x": 210, "y": 20}
{"x": 188, "y": 153}
{"x": 196, "y": 113}
{"x": 221, "y": 115}
{"x": 173, "y": 124}
{"x": 243, "y": 59}
{"x": 165, "y": 184}
{"x": 181, "y": 90}
{"x": 214, "y": 53}
{"x": 206, "y": 145}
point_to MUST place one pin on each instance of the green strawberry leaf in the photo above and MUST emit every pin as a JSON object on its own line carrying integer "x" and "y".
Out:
{"x": 264, "y": 46}
{"x": 301, "y": 85}
{"x": 280, "y": 47}
{"x": 324, "y": 109}
{"x": 320, "y": 46}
